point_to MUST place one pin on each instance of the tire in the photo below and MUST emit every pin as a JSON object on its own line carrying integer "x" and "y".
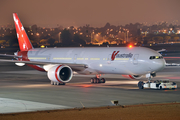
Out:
{"x": 95, "y": 80}
{"x": 98, "y": 80}
{"x": 140, "y": 85}
{"x": 52, "y": 83}
{"x": 63, "y": 83}
{"x": 92, "y": 80}
{"x": 160, "y": 88}
{"x": 103, "y": 80}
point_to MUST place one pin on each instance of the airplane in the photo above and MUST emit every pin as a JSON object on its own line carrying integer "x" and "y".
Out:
{"x": 59, "y": 63}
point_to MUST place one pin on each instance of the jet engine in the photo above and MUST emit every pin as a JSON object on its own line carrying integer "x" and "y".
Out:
{"x": 132, "y": 76}
{"x": 60, "y": 73}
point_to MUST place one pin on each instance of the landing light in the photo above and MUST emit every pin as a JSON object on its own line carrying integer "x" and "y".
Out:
{"x": 20, "y": 64}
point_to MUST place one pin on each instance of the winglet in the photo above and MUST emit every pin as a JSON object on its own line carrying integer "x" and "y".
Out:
{"x": 24, "y": 42}
{"x": 161, "y": 50}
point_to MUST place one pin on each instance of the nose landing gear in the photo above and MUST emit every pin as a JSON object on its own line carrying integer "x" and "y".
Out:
{"x": 149, "y": 77}
{"x": 140, "y": 85}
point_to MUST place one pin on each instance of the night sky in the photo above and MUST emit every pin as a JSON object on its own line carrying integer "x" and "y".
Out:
{"x": 49, "y": 13}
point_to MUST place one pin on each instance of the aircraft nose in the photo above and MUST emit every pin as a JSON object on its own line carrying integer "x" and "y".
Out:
{"x": 158, "y": 65}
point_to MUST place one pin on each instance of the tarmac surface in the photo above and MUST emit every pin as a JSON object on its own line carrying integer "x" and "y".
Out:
{"x": 23, "y": 89}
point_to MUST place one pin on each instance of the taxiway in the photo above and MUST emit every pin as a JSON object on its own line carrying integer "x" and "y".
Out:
{"x": 21, "y": 88}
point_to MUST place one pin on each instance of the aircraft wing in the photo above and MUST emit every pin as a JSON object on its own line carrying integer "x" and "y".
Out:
{"x": 160, "y": 50}
{"x": 172, "y": 64}
{"x": 44, "y": 63}
{"x": 14, "y": 56}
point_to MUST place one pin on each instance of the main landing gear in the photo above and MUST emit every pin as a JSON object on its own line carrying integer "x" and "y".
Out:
{"x": 97, "y": 79}
{"x": 57, "y": 83}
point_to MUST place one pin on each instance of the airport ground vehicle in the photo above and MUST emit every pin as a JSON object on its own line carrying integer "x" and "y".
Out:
{"x": 158, "y": 84}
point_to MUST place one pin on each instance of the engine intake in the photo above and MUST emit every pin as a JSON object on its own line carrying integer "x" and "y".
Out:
{"x": 132, "y": 76}
{"x": 60, "y": 73}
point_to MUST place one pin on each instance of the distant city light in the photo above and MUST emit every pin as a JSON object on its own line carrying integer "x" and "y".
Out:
{"x": 178, "y": 31}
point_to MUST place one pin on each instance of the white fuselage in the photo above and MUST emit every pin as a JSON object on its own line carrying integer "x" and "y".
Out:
{"x": 99, "y": 60}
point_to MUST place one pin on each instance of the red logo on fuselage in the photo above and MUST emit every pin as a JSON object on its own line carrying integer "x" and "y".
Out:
{"x": 114, "y": 55}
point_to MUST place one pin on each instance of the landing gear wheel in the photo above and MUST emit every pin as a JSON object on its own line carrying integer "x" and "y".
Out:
{"x": 63, "y": 84}
{"x": 92, "y": 80}
{"x": 57, "y": 83}
{"x": 52, "y": 83}
{"x": 95, "y": 80}
{"x": 103, "y": 80}
{"x": 140, "y": 85}
{"x": 98, "y": 80}
{"x": 160, "y": 87}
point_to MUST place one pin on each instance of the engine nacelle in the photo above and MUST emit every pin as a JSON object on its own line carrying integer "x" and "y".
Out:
{"x": 132, "y": 76}
{"x": 60, "y": 73}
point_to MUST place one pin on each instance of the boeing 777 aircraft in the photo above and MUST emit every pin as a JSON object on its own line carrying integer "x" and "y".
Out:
{"x": 59, "y": 63}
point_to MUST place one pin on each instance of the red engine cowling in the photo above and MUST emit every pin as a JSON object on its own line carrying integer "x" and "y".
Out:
{"x": 60, "y": 73}
{"x": 132, "y": 76}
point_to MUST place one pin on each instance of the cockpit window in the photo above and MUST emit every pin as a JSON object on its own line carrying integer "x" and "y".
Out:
{"x": 156, "y": 57}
